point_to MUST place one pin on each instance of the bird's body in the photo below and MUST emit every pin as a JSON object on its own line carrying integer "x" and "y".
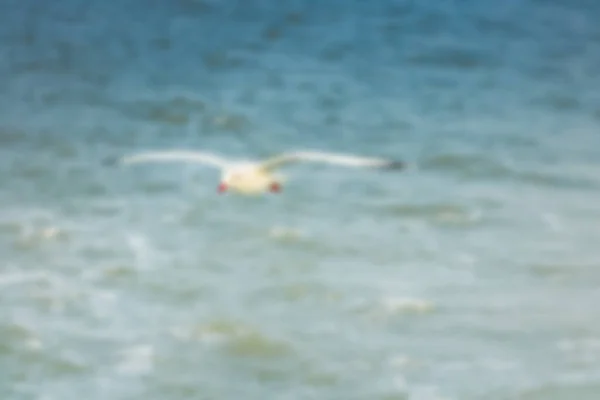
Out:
{"x": 253, "y": 178}
{"x": 249, "y": 179}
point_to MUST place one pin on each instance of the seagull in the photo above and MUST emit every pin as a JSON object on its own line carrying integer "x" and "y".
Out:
{"x": 257, "y": 177}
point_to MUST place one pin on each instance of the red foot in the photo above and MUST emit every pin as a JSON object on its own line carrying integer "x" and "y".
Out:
{"x": 275, "y": 187}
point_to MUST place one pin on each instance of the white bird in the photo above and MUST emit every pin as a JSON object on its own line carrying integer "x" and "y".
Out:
{"x": 257, "y": 177}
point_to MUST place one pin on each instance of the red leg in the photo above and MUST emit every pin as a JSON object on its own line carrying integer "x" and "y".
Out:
{"x": 275, "y": 187}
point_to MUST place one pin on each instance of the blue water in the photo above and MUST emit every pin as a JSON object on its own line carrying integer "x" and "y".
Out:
{"x": 471, "y": 275}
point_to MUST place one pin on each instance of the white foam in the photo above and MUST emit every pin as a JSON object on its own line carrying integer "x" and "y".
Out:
{"x": 395, "y": 305}
{"x": 142, "y": 252}
{"x": 136, "y": 360}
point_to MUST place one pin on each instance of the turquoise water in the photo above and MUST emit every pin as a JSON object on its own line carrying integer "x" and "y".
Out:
{"x": 472, "y": 275}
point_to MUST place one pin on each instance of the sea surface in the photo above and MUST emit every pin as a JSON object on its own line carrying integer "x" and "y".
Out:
{"x": 473, "y": 274}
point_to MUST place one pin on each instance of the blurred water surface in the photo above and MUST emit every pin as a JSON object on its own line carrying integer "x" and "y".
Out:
{"x": 472, "y": 275}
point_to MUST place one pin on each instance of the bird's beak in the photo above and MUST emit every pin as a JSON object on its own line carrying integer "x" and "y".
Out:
{"x": 222, "y": 188}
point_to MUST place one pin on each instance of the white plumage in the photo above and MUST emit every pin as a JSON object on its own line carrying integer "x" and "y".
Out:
{"x": 256, "y": 177}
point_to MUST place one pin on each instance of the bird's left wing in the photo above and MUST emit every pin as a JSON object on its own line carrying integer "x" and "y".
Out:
{"x": 330, "y": 158}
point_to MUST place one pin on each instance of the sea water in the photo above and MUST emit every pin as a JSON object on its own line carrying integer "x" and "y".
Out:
{"x": 473, "y": 274}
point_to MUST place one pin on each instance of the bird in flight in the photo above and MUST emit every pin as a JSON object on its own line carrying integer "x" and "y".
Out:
{"x": 257, "y": 177}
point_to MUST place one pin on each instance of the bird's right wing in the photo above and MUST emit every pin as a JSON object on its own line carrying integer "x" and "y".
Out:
{"x": 176, "y": 156}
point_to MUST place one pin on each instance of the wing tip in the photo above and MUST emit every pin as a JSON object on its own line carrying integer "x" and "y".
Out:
{"x": 111, "y": 161}
{"x": 395, "y": 165}
{"x": 114, "y": 161}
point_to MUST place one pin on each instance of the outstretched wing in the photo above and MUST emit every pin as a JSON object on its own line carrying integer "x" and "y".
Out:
{"x": 176, "y": 156}
{"x": 330, "y": 158}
